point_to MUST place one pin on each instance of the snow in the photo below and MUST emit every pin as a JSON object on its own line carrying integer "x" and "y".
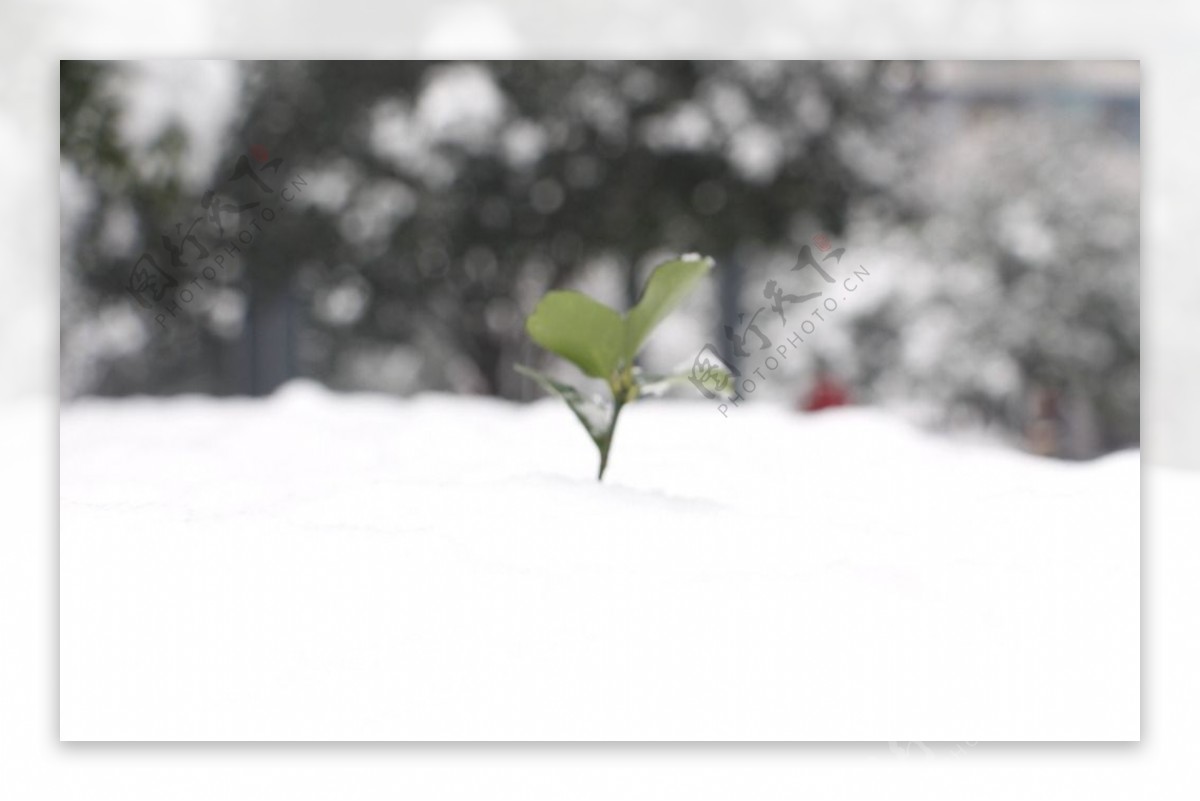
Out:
{"x": 321, "y": 566}
{"x": 199, "y": 96}
{"x": 461, "y": 103}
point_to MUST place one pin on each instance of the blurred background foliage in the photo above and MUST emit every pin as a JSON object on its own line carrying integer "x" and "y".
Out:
{"x": 995, "y": 205}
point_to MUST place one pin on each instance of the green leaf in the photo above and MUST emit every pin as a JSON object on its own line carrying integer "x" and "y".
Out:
{"x": 595, "y": 418}
{"x": 581, "y": 330}
{"x": 668, "y": 285}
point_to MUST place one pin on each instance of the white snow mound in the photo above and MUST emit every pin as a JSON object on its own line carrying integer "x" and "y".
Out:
{"x": 317, "y": 566}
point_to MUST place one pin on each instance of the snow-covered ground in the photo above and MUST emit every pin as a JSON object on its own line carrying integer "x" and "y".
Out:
{"x": 316, "y": 566}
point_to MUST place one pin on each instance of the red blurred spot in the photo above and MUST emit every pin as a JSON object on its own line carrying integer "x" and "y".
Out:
{"x": 829, "y": 393}
{"x": 259, "y": 153}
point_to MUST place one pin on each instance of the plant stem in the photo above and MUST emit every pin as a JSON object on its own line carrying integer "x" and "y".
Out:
{"x": 606, "y": 441}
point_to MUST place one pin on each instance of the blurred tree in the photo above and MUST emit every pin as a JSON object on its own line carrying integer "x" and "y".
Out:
{"x": 1021, "y": 296}
{"x": 437, "y": 201}
{"x": 442, "y": 198}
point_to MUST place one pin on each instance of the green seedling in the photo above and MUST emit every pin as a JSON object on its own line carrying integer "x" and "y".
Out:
{"x": 604, "y": 343}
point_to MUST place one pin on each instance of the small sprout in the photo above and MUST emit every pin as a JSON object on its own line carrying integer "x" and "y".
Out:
{"x": 604, "y": 343}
